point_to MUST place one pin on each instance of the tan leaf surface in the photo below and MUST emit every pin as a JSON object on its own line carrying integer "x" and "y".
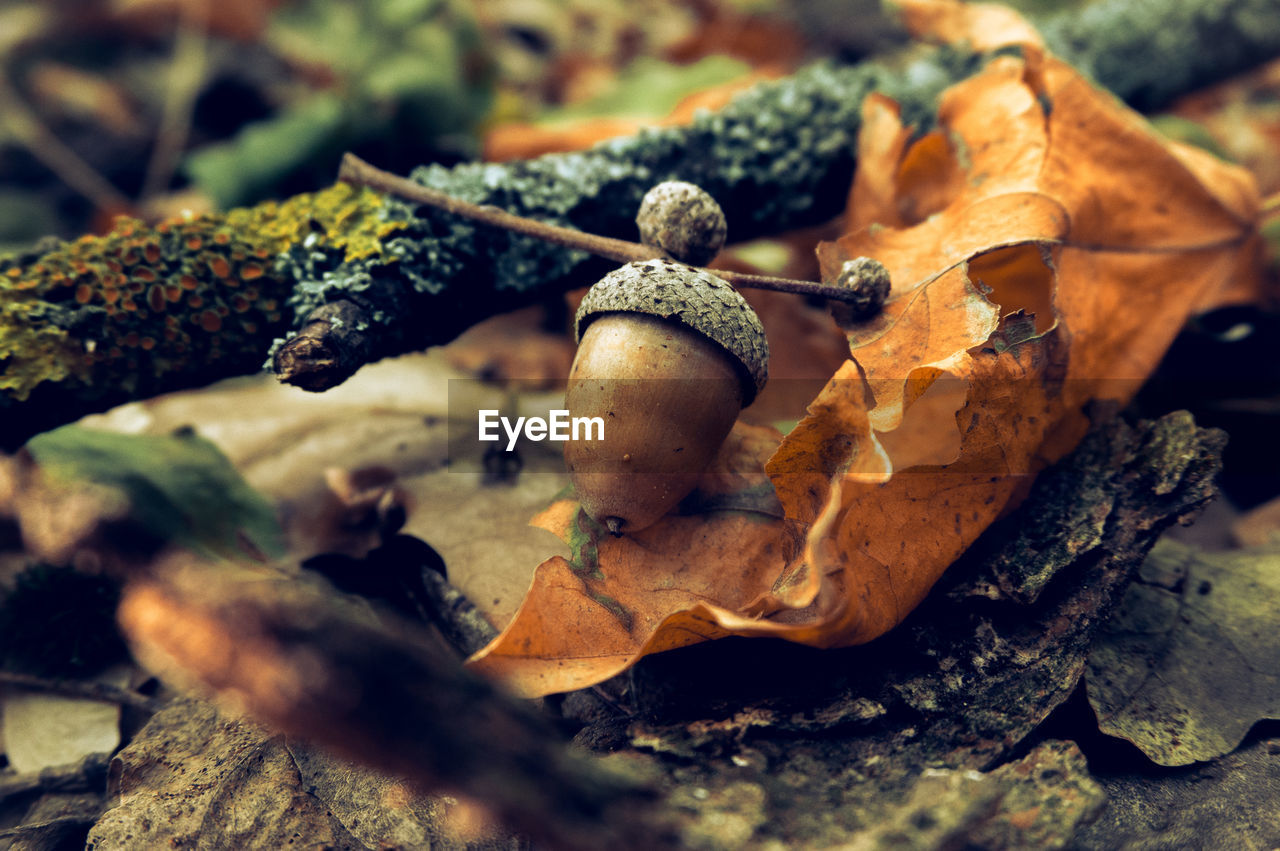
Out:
{"x": 985, "y": 26}
{"x": 1045, "y": 246}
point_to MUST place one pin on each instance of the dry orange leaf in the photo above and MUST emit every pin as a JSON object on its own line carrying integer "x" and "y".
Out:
{"x": 1045, "y": 246}
{"x": 984, "y": 26}
{"x": 525, "y": 140}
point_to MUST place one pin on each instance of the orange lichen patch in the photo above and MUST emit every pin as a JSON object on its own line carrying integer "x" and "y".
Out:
{"x": 220, "y": 267}
{"x": 240, "y": 304}
{"x": 147, "y": 343}
{"x": 129, "y": 275}
{"x": 210, "y": 321}
{"x": 156, "y": 298}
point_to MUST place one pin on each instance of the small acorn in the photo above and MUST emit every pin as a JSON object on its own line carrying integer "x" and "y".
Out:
{"x": 683, "y": 221}
{"x": 867, "y": 281}
{"x": 667, "y": 357}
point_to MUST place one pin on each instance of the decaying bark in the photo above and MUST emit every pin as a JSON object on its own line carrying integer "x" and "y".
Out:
{"x": 961, "y": 686}
{"x": 1002, "y": 640}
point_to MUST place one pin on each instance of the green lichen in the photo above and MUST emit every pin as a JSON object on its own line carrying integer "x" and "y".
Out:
{"x": 196, "y": 295}
{"x": 1148, "y": 53}
{"x": 584, "y": 557}
{"x": 780, "y": 156}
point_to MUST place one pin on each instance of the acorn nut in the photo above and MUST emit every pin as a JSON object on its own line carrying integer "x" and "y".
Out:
{"x": 867, "y": 281}
{"x": 667, "y": 357}
{"x": 683, "y": 221}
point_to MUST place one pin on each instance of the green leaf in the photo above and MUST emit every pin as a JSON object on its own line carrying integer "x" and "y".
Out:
{"x": 263, "y": 153}
{"x": 1191, "y": 658}
{"x": 650, "y": 87}
{"x": 179, "y": 486}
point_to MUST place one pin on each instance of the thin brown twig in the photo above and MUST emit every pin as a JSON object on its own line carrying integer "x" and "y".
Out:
{"x": 80, "y": 688}
{"x": 357, "y": 172}
{"x": 25, "y": 127}
{"x": 89, "y": 774}
{"x": 186, "y": 72}
{"x": 61, "y": 821}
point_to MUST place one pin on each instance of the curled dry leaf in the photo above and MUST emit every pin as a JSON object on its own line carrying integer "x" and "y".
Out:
{"x": 1045, "y": 245}
{"x": 1188, "y": 663}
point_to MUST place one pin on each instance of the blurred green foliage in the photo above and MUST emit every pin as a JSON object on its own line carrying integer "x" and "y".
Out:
{"x": 180, "y": 488}
{"x": 410, "y": 73}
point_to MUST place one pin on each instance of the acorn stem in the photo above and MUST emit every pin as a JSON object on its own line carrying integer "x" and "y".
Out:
{"x": 357, "y": 172}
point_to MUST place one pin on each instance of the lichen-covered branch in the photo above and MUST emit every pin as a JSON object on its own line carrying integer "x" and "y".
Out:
{"x": 779, "y": 157}
{"x": 141, "y": 310}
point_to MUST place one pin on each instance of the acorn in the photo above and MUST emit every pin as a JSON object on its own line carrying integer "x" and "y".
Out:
{"x": 867, "y": 282}
{"x": 683, "y": 221}
{"x": 667, "y": 357}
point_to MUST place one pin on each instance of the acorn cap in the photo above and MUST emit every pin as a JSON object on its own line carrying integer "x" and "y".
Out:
{"x": 693, "y": 297}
